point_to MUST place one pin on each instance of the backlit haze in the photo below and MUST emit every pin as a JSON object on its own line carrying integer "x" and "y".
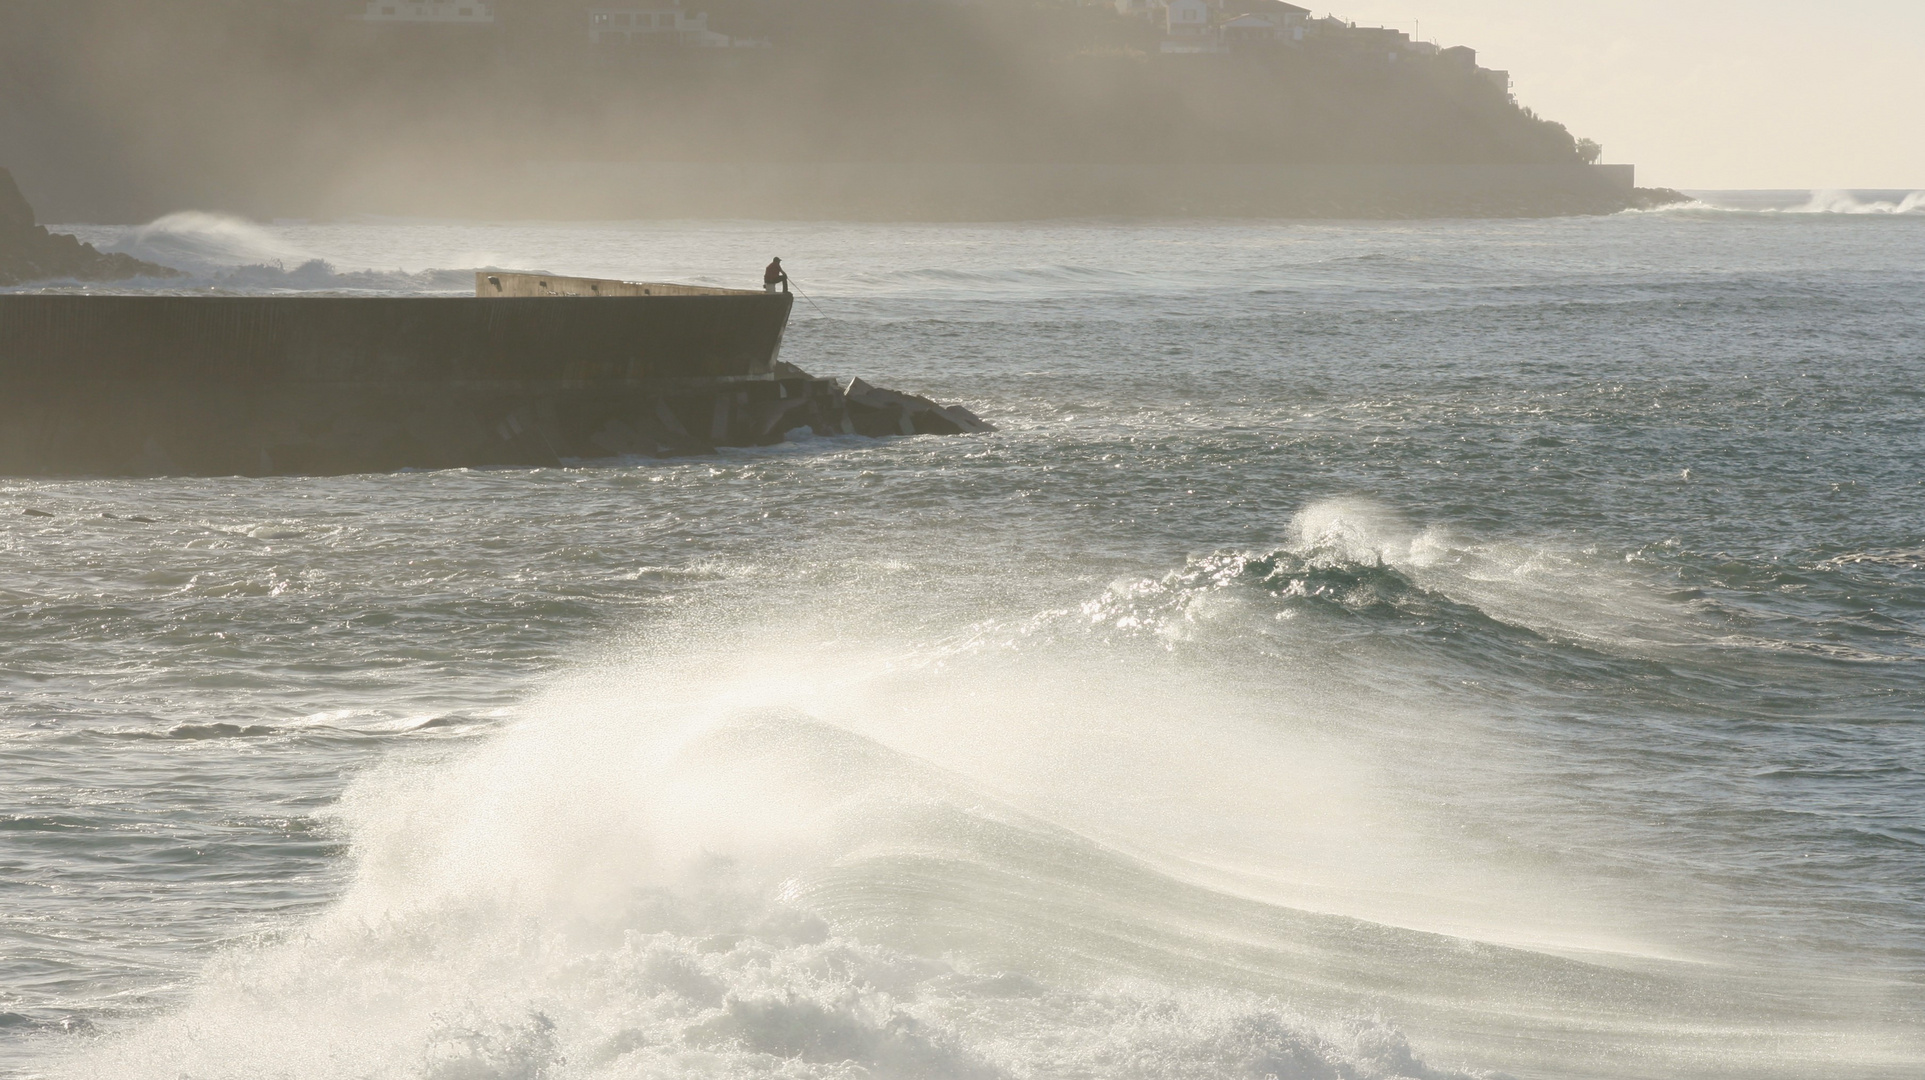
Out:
{"x": 1707, "y": 93}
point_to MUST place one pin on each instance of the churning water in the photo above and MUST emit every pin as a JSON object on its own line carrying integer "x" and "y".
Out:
{"x": 1366, "y": 651}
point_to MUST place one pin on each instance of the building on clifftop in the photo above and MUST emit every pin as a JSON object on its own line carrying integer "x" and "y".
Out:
{"x": 470, "y": 12}
{"x": 1257, "y": 28}
{"x": 1190, "y": 28}
{"x": 660, "y": 25}
{"x": 1286, "y": 16}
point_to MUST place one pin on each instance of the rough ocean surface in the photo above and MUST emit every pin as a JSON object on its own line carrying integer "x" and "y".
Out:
{"x": 1366, "y": 650}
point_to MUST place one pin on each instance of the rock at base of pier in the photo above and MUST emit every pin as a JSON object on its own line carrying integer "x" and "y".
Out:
{"x": 877, "y": 412}
{"x": 204, "y": 428}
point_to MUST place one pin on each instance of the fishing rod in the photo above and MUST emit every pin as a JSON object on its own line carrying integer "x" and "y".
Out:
{"x": 806, "y": 296}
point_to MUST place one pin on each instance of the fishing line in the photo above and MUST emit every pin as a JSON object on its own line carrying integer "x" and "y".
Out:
{"x": 811, "y": 300}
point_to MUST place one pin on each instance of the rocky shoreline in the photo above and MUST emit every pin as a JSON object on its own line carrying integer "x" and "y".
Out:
{"x": 1657, "y": 198}
{"x": 29, "y": 253}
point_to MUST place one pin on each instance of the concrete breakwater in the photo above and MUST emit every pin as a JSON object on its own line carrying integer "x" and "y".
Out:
{"x": 533, "y": 369}
{"x": 223, "y": 385}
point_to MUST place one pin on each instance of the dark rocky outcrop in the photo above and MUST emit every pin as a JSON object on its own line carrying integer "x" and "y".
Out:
{"x": 28, "y": 252}
{"x": 1646, "y": 198}
{"x": 877, "y": 412}
{"x": 201, "y": 428}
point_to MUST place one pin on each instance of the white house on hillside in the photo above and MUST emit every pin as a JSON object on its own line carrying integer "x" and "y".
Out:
{"x": 1286, "y": 16}
{"x": 1189, "y": 28}
{"x": 1186, "y": 18}
{"x": 472, "y": 12}
{"x": 659, "y": 24}
{"x": 1259, "y": 28}
{"x": 1209, "y": 26}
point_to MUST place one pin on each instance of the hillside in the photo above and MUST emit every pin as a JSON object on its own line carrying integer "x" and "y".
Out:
{"x": 121, "y": 108}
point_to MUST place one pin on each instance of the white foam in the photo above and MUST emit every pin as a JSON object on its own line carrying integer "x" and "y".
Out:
{"x": 1823, "y": 201}
{"x": 1844, "y": 202}
{"x": 1569, "y": 594}
{"x": 771, "y": 850}
{"x": 589, "y": 898}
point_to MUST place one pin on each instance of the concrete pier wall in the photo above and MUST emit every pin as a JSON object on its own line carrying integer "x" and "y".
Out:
{"x": 63, "y": 338}
{"x": 139, "y": 385}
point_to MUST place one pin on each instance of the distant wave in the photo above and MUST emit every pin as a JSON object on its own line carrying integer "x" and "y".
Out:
{"x": 315, "y": 276}
{"x": 195, "y": 240}
{"x": 1829, "y": 201}
{"x": 222, "y": 253}
{"x": 1845, "y": 202}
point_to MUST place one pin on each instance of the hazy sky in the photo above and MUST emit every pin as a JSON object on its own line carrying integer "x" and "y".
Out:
{"x": 1706, "y": 93}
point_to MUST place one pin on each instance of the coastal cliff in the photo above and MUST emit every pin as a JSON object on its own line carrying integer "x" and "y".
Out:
{"x": 28, "y": 252}
{"x": 327, "y": 107}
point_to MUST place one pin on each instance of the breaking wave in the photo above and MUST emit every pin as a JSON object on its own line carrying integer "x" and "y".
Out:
{"x": 1128, "y": 840}
{"x": 1846, "y": 202}
{"x": 194, "y": 240}
{"x": 225, "y": 254}
{"x": 1816, "y": 202}
{"x": 1362, "y": 559}
{"x": 751, "y": 894}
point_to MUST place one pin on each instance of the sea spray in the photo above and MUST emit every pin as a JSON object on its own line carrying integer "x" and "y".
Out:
{"x": 226, "y": 254}
{"x": 516, "y": 914}
{"x": 1846, "y": 202}
{"x": 673, "y": 865}
{"x": 196, "y": 240}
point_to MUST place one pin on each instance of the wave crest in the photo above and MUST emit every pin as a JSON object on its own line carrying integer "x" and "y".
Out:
{"x": 226, "y": 254}
{"x": 1846, "y": 202}
{"x": 196, "y": 240}
{"x": 1357, "y": 558}
{"x": 1818, "y": 202}
{"x": 649, "y": 898}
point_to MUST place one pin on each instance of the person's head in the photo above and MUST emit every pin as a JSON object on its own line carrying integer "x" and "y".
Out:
{"x": 777, "y": 259}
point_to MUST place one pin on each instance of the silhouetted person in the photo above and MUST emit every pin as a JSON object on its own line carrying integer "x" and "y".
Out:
{"x": 774, "y": 276}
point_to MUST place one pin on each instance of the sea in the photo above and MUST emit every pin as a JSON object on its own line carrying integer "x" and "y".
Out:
{"x": 1365, "y": 650}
